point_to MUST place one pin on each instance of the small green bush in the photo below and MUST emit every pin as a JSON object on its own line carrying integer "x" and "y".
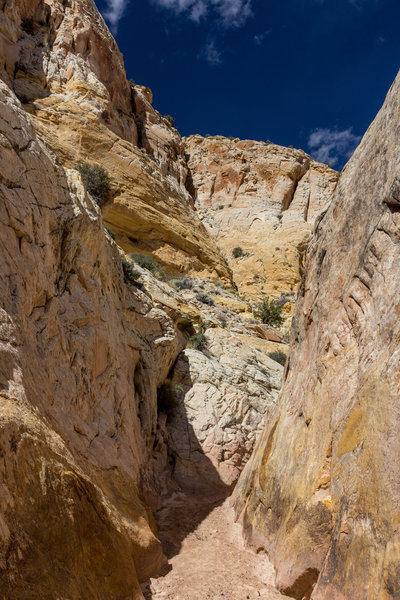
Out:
{"x": 96, "y": 181}
{"x": 109, "y": 231}
{"x": 237, "y": 252}
{"x": 167, "y": 401}
{"x": 198, "y": 341}
{"x": 220, "y": 206}
{"x": 130, "y": 273}
{"x": 204, "y": 299}
{"x": 169, "y": 120}
{"x": 184, "y": 284}
{"x": 278, "y": 356}
{"x": 269, "y": 312}
{"x": 148, "y": 262}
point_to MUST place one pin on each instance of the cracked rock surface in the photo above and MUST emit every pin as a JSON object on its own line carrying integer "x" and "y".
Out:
{"x": 322, "y": 490}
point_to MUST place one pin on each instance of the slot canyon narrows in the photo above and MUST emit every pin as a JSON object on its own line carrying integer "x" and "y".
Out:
{"x": 199, "y": 342}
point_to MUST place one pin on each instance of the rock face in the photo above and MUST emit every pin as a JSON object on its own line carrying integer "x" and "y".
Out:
{"x": 82, "y": 353}
{"x": 65, "y": 67}
{"x": 222, "y": 394}
{"x": 267, "y": 197}
{"x": 322, "y": 491}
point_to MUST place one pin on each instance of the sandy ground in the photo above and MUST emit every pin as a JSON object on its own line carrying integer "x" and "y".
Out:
{"x": 207, "y": 558}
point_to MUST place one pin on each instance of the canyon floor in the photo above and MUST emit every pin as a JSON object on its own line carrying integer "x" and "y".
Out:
{"x": 206, "y": 556}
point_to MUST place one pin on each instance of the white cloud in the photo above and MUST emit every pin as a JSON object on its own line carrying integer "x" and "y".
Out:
{"x": 258, "y": 39}
{"x": 328, "y": 145}
{"x": 212, "y": 55}
{"x": 232, "y": 13}
{"x": 113, "y": 13}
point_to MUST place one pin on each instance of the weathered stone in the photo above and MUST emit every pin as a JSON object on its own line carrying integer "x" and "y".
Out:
{"x": 82, "y": 353}
{"x": 220, "y": 396}
{"x": 66, "y": 68}
{"x": 264, "y": 195}
{"x": 322, "y": 491}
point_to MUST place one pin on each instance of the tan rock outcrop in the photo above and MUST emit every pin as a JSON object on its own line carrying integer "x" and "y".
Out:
{"x": 322, "y": 491}
{"x": 64, "y": 65}
{"x": 82, "y": 353}
{"x": 219, "y": 398}
{"x": 263, "y": 198}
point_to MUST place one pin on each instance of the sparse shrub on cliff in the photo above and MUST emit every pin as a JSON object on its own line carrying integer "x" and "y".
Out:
{"x": 167, "y": 400}
{"x": 278, "y": 356}
{"x": 269, "y": 312}
{"x": 204, "y": 299}
{"x": 96, "y": 181}
{"x": 130, "y": 273}
{"x": 147, "y": 262}
{"x": 169, "y": 120}
{"x": 28, "y": 26}
{"x": 109, "y": 231}
{"x": 237, "y": 252}
{"x": 198, "y": 341}
{"x": 184, "y": 284}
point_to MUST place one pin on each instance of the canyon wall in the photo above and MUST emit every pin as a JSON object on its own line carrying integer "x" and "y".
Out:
{"x": 322, "y": 491}
{"x": 82, "y": 353}
{"x": 263, "y": 198}
{"x": 85, "y": 445}
{"x": 65, "y": 67}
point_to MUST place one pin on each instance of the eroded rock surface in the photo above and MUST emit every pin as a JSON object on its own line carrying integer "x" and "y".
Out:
{"x": 322, "y": 491}
{"x": 223, "y": 394}
{"x": 82, "y": 353}
{"x": 65, "y": 67}
{"x": 263, "y": 198}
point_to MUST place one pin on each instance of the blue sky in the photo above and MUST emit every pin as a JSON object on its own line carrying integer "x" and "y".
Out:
{"x": 307, "y": 73}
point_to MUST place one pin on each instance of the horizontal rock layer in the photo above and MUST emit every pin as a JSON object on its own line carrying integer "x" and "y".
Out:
{"x": 65, "y": 67}
{"x": 262, "y": 198}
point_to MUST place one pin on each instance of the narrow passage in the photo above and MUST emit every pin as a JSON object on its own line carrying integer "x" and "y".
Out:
{"x": 207, "y": 559}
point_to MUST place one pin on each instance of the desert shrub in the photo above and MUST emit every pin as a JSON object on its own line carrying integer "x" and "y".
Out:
{"x": 167, "y": 401}
{"x": 278, "y": 356}
{"x": 220, "y": 206}
{"x": 198, "y": 341}
{"x": 269, "y": 312}
{"x": 130, "y": 273}
{"x": 148, "y": 262}
{"x": 184, "y": 284}
{"x": 131, "y": 82}
{"x": 237, "y": 252}
{"x": 109, "y": 231}
{"x": 96, "y": 181}
{"x": 28, "y": 25}
{"x": 169, "y": 120}
{"x": 223, "y": 322}
{"x": 204, "y": 299}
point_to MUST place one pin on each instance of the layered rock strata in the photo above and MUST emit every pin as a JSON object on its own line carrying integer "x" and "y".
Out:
{"x": 66, "y": 69}
{"x": 264, "y": 195}
{"x": 82, "y": 353}
{"x": 322, "y": 491}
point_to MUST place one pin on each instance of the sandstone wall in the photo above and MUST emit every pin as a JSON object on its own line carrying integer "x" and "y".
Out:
{"x": 65, "y": 67}
{"x": 263, "y": 198}
{"x": 322, "y": 491}
{"x": 82, "y": 354}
